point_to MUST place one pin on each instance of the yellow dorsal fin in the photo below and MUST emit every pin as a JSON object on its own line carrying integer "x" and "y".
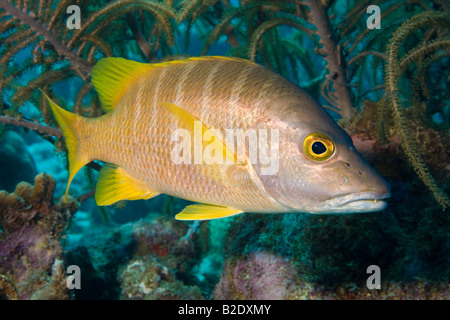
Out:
{"x": 112, "y": 77}
{"x": 206, "y": 212}
{"x": 203, "y": 58}
{"x": 114, "y": 184}
{"x": 209, "y": 165}
{"x": 69, "y": 122}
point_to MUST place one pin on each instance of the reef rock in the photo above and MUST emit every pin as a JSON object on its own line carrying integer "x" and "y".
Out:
{"x": 147, "y": 278}
{"x": 261, "y": 275}
{"x": 30, "y": 249}
{"x": 146, "y": 259}
{"x": 266, "y": 276}
{"x": 300, "y": 256}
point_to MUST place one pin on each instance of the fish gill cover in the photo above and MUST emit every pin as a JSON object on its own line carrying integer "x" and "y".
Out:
{"x": 379, "y": 67}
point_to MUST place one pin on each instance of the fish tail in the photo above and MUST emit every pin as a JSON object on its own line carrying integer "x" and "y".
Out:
{"x": 69, "y": 123}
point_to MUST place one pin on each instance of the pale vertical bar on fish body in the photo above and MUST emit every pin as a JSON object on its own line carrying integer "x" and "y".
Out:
{"x": 313, "y": 168}
{"x": 142, "y": 144}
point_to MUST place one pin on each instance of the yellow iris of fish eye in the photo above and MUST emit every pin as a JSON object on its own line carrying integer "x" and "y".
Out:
{"x": 320, "y": 142}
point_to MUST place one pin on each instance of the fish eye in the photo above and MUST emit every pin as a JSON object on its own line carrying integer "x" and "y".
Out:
{"x": 318, "y": 146}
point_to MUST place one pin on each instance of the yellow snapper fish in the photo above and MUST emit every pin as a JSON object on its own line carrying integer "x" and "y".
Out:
{"x": 151, "y": 110}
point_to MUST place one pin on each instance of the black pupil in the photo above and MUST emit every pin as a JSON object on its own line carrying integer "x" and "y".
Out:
{"x": 318, "y": 147}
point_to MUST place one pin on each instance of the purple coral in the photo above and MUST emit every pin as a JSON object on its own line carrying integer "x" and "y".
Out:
{"x": 30, "y": 249}
{"x": 265, "y": 276}
{"x": 261, "y": 275}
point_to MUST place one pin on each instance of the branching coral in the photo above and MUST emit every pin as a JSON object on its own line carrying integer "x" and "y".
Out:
{"x": 394, "y": 70}
{"x": 258, "y": 30}
{"x": 59, "y": 54}
{"x": 39, "y": 50}
{"x": 333, "y": 56}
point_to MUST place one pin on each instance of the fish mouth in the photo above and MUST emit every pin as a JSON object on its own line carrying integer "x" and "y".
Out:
{"x": 358, "y": 202}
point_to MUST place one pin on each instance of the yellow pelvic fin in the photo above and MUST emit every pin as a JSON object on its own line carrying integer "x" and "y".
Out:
{"x": 112, "y": 77}
{"x": 209, "y": 165}
{"x": 114, "y": 184}
{"x": 206, "y": 212}
{"x": 69, "y": 122}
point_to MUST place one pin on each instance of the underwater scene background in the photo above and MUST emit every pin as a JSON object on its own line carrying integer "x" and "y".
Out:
{"x": 382, "y": 72}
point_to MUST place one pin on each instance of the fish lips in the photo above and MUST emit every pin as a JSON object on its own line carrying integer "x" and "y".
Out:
{"x": 358, "y": 202}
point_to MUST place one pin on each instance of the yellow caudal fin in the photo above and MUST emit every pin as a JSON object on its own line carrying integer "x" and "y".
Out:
{"x": 112, "y": 77}
{"x": 69, "y": 122}
{"x": 114, "y": 184}
{"x": 206, "y": 212}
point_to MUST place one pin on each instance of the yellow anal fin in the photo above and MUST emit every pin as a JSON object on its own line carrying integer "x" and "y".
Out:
{"x": 206, "y": 212}
{"x": 114, "y": 184}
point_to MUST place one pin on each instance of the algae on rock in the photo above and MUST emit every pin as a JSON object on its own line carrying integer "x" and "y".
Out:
{"x": 30, "y": 250}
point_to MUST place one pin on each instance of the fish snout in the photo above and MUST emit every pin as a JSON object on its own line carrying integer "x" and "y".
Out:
{"x": 349, "y": 187}
{"x": 368, "y": 180}
{"x": 364, "y": 190}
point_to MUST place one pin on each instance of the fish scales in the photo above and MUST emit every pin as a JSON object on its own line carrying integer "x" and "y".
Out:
{"x": 148, "y": 145}
{"x": 317, "y": 168}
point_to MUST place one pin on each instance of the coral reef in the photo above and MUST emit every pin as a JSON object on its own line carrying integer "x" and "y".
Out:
{"x": 30, "y": 249}
{"x": 61, "y": 56}
{"x": 165, "y": 239}
{"x": 388, "y": 87}
{"x": 148, "y": 279}
{"x": 259, "y": 276}
{"x": 307, "y": 257}
{"x": 147, "y": 259}
{"x": 263, "y": 275}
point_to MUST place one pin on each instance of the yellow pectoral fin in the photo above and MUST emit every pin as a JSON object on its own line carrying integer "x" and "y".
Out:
{"x": 206, "y": 212}
{"x": 114, "y": 184}
{"x": 187, "y": 121}
{"x": 216, "y": 157}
